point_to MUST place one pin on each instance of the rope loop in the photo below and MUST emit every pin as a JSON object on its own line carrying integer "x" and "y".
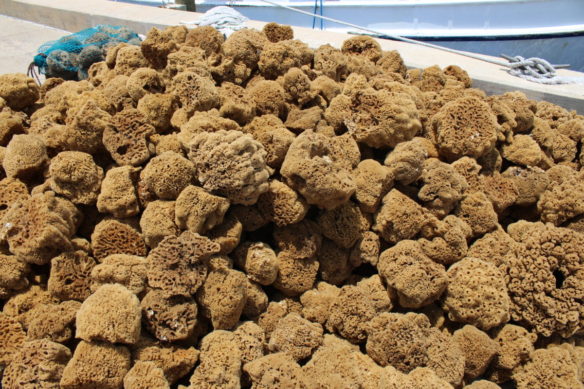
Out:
{"x": 534, "y": 67}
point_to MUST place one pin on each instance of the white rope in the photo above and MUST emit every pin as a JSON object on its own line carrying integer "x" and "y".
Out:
{"x": 532, "y": 69}
{"x": 224, "y": 19}
{"x": 539, "y": 70}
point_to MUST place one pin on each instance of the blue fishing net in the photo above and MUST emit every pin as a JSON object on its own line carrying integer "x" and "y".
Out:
{"x": 71, "y": 56}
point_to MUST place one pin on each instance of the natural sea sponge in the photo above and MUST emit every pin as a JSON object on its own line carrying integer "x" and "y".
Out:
{"x": 299, "y": 120}
{"x": 111, "y": 314}
{"x": 313, "y": 166}
{"x": 222, "y": 297}
{"x": 337, "y": 363}
{"x": 301, "y": 240}
{"x": 373, "y": 181}
{"x": 53, "y": 321}
{"x": 25, "y": 156}
{"x": 273, "y": 135}
{"x": 114, "y": 237}
{"x": 430, "y": 79}
{"x": 195, "y": 92}
{"x": 70, "y": 276}
{"x": 376, "y": 118}
{"x": 157, "y": 45}
{"x": 407, "y": 341}
{"x": 441, "y": 187}
{"x": 118, "y": 193}
{"x": 399, "y": 217}
{"x": 551, "y": 367}
{"x": 342, "y": 225}
{"x": 205, "y": 37}
{"x": 230, "y": 164}
{"x": 256, "y": 301}
{"x": 18, "y": 90}
{"x": 501, "y": 190}
{"x": 413, "y": 276}
{"x": 39, "y": 363}
{"x": 85, "y": 125}
{"x": 563, "y": 201}
{"x": 126, "y": 59}
{"x": 464, "y": 127}
{"x": 241, "y": 53}
{"x": 278, "y": 368}
{"x": 168, "y": 142}
{"x": 277, "y": 58}
{"x": 278, "y": 32}
{"x": 175, "y": 361}
{"x": 523, "y": 151}
{"x": 445, "y": 241}
{"x": 165, "y": 176}
{"x": 144, "y": 81}
{"x": 13, "y": 274}
{"x": 350, "y": 313}
{"x": 21, "y": 306}
{"x": 208, "y": 121}
{"x": 296, "y": 337}
{"x": 158, "y": 109}
{"x": 178, "y": 265}
{"x": 186, "y": 58}
{"x": 250, "y": 217}
{"x": 144, "y": 375}
{"x": 392, "y": 62}
{"x": 478, "y": 212}
{"x": 269, "y": 98}
{"x": 282, "y": 205}
{"x": 477, "y": 294}
{"x": 406, "y": 161}
{"x": 334, "y": 263}
{"x": 515, "y": 347}
{"x": 40, "y": 227}
{"x": 75, "y": 176}
{"x": 11, "y": 123}
{"x": 259, "y": 262}
{"x": 236, "y": 103}
{"x": 366, "y": 250}
{"x": 556, "y": 253}
{"x": 126, "y": 270}
{"x": 126, "y": 138}
{"x": 169, "y": 318}
{"x": 96, "y": 365}
{"x": 363, "y": 46}
{"x": 251, "y": 338}
{"x": 336, "y": 222}
{"x": 157, "y": 221}
{"x": 199, "y": 211}
{"x": 295, "y": 275}
{"x": 12, "y": 336}
{"x": 478, "y": 349}
{"x": 220, "y": 365}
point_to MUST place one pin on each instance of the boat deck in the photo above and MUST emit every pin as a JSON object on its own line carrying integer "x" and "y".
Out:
{"x": 74, "y": 15}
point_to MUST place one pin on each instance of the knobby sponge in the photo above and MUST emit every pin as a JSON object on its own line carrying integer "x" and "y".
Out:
{"x": 230, "y": 164}
{"x": 111, "y": 314}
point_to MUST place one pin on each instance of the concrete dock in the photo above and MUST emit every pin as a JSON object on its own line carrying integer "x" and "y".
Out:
{"x": 19, "y": 41}
{"x": 74, "y": 15}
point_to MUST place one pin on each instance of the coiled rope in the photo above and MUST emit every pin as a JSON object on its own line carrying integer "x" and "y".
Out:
{"x": 532, "y": 69}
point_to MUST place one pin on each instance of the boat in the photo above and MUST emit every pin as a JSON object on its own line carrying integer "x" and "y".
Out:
{"x": 548, "y": 29}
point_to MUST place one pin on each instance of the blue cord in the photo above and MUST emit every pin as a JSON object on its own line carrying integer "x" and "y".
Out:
{"x": 314, "y": 12}
{"x": 321, "y": 11}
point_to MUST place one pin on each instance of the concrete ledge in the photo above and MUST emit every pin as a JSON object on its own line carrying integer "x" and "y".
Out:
{"x": 75, "y": 15}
